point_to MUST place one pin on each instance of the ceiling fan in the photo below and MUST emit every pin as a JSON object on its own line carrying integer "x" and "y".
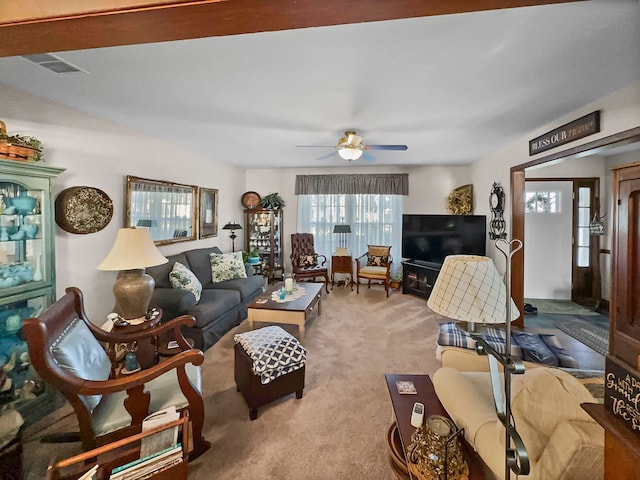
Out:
{"x": 350, "y": 147}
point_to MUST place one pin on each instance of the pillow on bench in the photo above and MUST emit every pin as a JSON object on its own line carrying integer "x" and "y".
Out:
{"x": 542, "y": 348}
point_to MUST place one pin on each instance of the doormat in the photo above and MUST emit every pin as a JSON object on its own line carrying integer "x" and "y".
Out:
{"x": 559, "y": 307}
{"x": 594, "y": 337}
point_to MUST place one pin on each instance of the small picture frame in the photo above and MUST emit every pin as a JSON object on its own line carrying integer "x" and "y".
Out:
{"x": 208, "y": 212}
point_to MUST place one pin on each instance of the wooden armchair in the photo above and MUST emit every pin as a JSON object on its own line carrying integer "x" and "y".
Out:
{"x": 304, "y": 259}
{"x": 375, "y": 264}
{"x": 65, "y": 350}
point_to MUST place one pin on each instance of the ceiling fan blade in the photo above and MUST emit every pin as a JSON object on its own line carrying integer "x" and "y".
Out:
{"x": 385, "y": 147}
{"x": 368, "y": 157}
{"x": 328, "y": 155}
{"x": 316, "y": 146}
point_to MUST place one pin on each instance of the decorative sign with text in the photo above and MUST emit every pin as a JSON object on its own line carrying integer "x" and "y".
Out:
{"x": 582, "y": 127}
{"x": 622, "y": 392}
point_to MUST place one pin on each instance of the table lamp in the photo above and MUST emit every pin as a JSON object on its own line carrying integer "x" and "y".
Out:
{"x": 470, "y": 289}
{"x": 233, "y": 226}
{"x": 132, "y": 252}
{"x": 342, "y": 231}
{"x": 147, "y": 223}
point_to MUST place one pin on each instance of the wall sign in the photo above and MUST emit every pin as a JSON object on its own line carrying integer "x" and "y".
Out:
{"x": 582, "y": 127}
{"x": 622, "y": 392}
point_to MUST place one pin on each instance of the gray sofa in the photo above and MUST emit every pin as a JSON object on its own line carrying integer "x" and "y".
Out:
{"x": 222, "y": 305}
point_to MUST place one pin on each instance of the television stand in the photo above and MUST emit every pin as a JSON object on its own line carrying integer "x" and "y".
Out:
{"x": 419, "y": 278}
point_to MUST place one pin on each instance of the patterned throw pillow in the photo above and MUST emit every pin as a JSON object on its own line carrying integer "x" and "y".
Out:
{"x": 183, "y": 278}
{"x": 377, "y": 260}
{"x": 226, "y": 266}
{"x": 308, "y": 260}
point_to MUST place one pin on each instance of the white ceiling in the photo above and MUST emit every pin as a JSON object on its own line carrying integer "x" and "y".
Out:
{"x": 452, "y": 88}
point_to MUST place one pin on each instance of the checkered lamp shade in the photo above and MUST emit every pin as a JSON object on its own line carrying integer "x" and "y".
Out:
{"x": 470, "y": 289}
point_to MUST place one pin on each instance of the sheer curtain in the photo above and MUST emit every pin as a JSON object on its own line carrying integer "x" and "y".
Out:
{"x": 375, "y": 219}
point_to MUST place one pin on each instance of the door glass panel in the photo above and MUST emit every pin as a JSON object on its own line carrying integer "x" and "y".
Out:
{"x": 584, "y": 215}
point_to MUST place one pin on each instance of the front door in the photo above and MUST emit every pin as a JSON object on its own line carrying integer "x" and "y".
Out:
{"x": 585, "y": 284}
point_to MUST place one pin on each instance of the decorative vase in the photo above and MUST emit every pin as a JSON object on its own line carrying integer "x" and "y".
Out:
{"x": 4, "y": 234}
{"x": 31, "y": 229}
{"x": 37, "y": 274}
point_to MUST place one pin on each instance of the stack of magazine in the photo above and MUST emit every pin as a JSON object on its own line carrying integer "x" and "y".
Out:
{"x": 157, "y": 452}
{"x": 147, "y": 466}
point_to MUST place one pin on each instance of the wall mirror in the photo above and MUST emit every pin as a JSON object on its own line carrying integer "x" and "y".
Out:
{"x": 167, "y": 209}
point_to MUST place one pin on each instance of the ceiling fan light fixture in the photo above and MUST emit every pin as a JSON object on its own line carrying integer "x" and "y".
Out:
{"x": 349, "y": 153}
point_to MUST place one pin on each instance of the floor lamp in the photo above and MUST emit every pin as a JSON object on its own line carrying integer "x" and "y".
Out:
{"x": 470, "y": 289}
{"x": 233, "y": 226}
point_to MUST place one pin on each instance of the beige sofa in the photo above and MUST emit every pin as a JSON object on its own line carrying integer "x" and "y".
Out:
{"x": 562, "y": 441}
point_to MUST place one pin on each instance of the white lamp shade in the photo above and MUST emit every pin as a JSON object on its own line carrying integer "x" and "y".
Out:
{"x": 470, "y": 289}
{"x": 348, "y": 153}
{"x": 132, "y": 249}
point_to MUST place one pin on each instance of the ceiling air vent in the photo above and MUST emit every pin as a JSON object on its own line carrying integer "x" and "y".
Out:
{"x": 53, "y": 63}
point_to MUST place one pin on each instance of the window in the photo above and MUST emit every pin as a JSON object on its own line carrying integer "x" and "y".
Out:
{"x": 542, "y": 202}
{"x": 374, "y": 220}
{"x": 583, "y": 237}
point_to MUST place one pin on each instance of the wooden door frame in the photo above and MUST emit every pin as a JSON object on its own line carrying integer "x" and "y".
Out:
{"x": 517, "y": 184}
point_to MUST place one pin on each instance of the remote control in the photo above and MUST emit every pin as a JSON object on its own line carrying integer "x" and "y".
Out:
{"x": 417, "y": 414}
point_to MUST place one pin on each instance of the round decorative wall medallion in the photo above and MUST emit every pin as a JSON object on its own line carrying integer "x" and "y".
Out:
{"x": 251, "y": 199}
{"x": 83, "y": 210}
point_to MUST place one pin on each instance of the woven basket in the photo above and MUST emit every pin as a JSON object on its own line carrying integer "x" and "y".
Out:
{"x": 14, "y": 152}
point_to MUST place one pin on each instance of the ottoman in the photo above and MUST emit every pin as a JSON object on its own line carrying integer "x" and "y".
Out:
{"x": 269, "y": 364}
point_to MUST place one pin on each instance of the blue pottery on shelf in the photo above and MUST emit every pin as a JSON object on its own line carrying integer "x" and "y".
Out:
{"x": 24, "y": 204}
{"x": 30, "y": 229}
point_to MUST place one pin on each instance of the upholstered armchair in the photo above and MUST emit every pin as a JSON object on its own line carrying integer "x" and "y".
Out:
{"x": 375, "y": 264}
{"x": 66, "y": 352}
{"x": 304, "y": 259}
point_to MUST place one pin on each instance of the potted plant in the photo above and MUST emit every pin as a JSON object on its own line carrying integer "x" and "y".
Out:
{"x": 396, "y": 279}
{"x": 253, "y": 257}
{"x": 272, "y": 201}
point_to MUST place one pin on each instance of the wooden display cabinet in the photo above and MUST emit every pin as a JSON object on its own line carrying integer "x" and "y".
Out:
{"x": 264, "y": 233}
{"x": 27, "y": 278}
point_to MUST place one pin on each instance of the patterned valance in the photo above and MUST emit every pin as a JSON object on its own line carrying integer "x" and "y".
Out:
{"x": 356, "y": 184}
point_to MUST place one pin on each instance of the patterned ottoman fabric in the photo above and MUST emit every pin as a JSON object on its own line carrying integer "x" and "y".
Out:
{"x": 273, "y": 351}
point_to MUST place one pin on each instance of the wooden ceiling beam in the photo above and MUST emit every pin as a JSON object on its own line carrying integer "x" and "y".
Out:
{"x": 34, "y": 26}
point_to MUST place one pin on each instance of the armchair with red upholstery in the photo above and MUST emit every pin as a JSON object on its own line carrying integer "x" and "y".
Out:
{"x": 304, "y": 259}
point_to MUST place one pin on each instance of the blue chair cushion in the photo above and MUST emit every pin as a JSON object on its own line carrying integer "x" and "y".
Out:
{"x": 77, "y": 351}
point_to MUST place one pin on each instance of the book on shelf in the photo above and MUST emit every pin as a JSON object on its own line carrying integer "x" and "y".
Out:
{"x": 147, "y": 465}
{"x": 163, "y": 439}
{"x": 90, "y": 474}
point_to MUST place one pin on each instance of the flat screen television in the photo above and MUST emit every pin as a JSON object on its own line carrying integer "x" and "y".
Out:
{"x": 430, "y": 238}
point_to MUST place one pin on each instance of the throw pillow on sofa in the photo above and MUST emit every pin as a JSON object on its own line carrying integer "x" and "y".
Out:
{"x": 183, "y": 278}
{"x": 227, "y": 266}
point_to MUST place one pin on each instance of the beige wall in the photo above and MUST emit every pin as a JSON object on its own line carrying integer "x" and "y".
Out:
{"x": 619, "y": 111}
{"x": 100, "y": 154}
{"x": 428, "y": 188}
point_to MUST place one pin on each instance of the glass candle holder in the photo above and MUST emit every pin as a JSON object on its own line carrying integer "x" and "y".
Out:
{"x": 288, "y": 283}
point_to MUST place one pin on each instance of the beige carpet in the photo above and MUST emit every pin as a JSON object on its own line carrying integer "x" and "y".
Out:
{"x": 337, "y": 430}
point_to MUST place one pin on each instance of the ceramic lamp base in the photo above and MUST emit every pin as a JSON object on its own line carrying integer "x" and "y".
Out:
{"x": 133, "y": 290}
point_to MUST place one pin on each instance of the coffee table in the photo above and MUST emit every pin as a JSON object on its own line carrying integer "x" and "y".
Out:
{"x": 295, "y": 312}
{"x": 402, "y": 407}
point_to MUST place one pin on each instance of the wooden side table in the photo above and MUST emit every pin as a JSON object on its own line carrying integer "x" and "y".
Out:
{"x": 342, "y": 264}
{"x": 147, "y": 351}
{"x": 402, "y": 407}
